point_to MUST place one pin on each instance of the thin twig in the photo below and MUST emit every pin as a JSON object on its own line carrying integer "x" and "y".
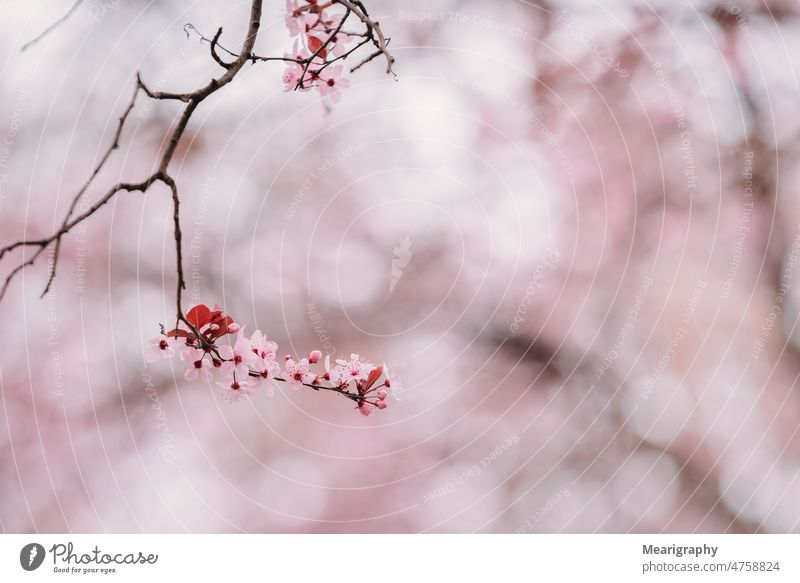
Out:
{"x": 114, "y": 145}
{"x": 52, "y": 27}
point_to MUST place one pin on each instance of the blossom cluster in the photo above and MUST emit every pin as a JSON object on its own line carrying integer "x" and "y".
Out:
{"x": 319, "y": 41}
{"x": 215, "y": 349}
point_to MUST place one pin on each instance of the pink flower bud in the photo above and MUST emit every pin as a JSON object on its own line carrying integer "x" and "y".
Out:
{"x": 234, "y": 328}
{"x": 287, "y": 357}
{"x": 382, "y": 395}
{"x": 314, "y": 356}
{"x": 381, "y": 404}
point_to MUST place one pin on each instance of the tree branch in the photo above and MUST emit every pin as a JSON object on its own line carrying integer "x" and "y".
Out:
{"x": 192, "y": 99}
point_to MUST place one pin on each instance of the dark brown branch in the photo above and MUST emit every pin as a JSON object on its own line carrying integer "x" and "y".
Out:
{"x": 366, "y": 60}
{"x": 214, "y": 53}
{"x": 67, "y": 227}
{"x": 176, "y": 214}
{"x": 214, "y": 44}
{"x": 352, "y": 396}
{"x": 320, "y": 49}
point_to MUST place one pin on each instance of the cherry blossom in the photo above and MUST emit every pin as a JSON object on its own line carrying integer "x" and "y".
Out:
{"x": 252, "y": 361}
{"x": 293, "y": 17}
{"x": 160, "y": 347}
{"x": 353, "y": 369}
{"x": 265, "y": 369}
{"x": 291, "y": 76}
{"x": 331, "y": 82}
{"x": 263, "y": 348}
{"x": 331, "y": 374}
{"x": 365, "y": 408}
{"x": 235, "y": 390}
{"x": 339, "y": 40}
{"x": 196, "y": 364}
{"x": 393, "y": 383}
{"x": 320, "y": 39}
{"x": 298, "y": 373}
{"x": 294, "y": 68}
{"x": 237, "y": 359}
{"x": 313, "y": 23}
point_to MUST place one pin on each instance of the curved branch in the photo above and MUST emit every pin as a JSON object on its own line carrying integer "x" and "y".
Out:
{"x": 192, "y": 99}
{"x": 374, "y": 33}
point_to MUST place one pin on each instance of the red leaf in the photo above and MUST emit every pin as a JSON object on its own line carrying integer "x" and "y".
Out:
{"x": 178, "y": 332}
{"x": 374, "y": 376}
{"x": 314, "y": 45}
{"x": 199, "y": 316}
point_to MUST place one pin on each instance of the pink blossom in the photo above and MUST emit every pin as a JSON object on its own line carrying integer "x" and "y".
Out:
{"x": 294, "y": 70}
{"x": 312, "y": 23}
{"x": 270, "y": 387}
{"x": 293, "y": 17}
{"x": 236, "y": 389}
{"x": 331, "y": 82}
{"x": 353, "y": 369}
{"x": 339, "y": 42}
{"x": 333, "y": 375}
{"x": 338, "y": 46}
{"x": 160, "y": 347}
{"x": 365, "y": 408}
{"x": 298, "y": 373}
{"x": 266, "y": 369}
{"x": 292, "y": 75}
{"x": 237, "y": 358}
{"x": 253, "y": 361}
{"x": 262, "y": 347}
{"x": 197, "y": 365}
{"x": 392, "y": 382}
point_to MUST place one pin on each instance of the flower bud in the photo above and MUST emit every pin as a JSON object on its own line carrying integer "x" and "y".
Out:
{"x": 314, "y": 356}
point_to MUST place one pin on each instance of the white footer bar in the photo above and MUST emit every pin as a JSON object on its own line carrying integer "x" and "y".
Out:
{"x": 390, "y": 558}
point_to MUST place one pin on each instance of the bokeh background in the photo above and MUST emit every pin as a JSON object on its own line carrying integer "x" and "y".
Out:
{"x": 593, "y": 208}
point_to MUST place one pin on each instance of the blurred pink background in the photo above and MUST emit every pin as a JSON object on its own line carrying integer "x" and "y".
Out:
{"x": 593, "y": 208}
